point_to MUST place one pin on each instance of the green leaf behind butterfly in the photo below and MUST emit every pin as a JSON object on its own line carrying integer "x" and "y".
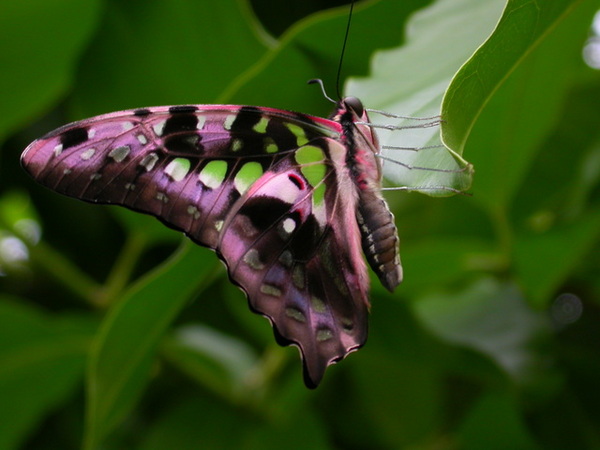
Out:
{"x": 124, "y": 350}
{"x": 42, "y": 360}
{"x": 523, "y": 25}
{"x": 37, "y": 71}
{"x": 411, "y": 81}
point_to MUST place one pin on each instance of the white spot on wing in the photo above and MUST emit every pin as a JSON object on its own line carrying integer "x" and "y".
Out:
{"x": 162, "y": 197}
{"x": 252, "y": 258}
{"x": 228, "y": 122}
{"x": 87, "y": 155}
{"x": 148, "y": 161}
{"x": 127, "y": 126}
{"x": 58, "y": 149}
{"x": 201, "y": 122}
{"x": 120, "y": 153}
{"x": 193, "y": 211}
{"x": 159, "y": 127}
{"x": 320, "y": 213}
{"x": 289, "y": 225}
{"x": 142, "y": 139}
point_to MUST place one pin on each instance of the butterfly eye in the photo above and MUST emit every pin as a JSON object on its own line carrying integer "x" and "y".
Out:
{"x": 355, "y": 105}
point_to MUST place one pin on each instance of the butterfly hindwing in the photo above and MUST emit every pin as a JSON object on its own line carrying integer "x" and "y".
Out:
{"x": 262, "y": 187}
{"x": 282, "y": 244}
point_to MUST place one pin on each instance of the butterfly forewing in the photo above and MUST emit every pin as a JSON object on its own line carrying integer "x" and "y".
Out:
{"x": 183, "y": 164}
{"x": 265, "y": 188}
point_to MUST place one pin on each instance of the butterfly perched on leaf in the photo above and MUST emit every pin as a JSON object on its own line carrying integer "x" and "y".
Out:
{"x": 288, "y": 201}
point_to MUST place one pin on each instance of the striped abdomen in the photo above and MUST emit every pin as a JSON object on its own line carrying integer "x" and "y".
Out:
{"x": 380, "y": 241}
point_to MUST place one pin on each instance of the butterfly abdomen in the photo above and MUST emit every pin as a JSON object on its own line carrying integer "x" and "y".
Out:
{"x": 380, "y": 240}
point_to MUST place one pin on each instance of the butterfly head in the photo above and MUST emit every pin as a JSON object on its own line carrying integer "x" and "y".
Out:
{"x": 352, "y": 115}
{"x": 355, "y": 105}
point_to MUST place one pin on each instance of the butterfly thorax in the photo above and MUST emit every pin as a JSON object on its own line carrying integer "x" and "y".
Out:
{"x": 380, "y": 242}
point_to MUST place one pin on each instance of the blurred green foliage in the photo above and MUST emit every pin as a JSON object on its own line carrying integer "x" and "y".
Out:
{"x": 118, "y": 333}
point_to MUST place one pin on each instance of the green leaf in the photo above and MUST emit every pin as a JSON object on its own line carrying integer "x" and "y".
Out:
{"x": 402, "y": 404}
{"x": 524, "y": 24}
{"x": 214, "y": 359}
{"x": 196, "y": 422}
{"x": 490, "y": 317}
{"x": 517, "y": 119}
{"x": 439, "y": 261}
{"x": 153, "y": 231}
{"x": 125, "y": 347}
{"x": 311, "y": 48}
{"x": 496, "y": 422}
{"x": 165, "y": 54}
{"x": 37, "y": 69}
{"x": 397, "y": 377}
{"x": 202, "y": 422}
{"x": 237, "y": 305}
{"x": 544, "y": 260}
{"x": 411, "y": 81}
{"x": 304, "y": 426}
{"x": 42, "y": 360}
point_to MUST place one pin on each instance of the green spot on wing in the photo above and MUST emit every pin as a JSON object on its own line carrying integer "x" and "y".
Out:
{"x": 252, "y": 258}
{"x": 318, "y": 305}
{"x": 178, "y": 168}
{"x": 324, "y": 335}
{"x": 236, "y": 145}
{"x": 295, "y": 314}
{"x": 270, "y": 146}
{"x": 247, "y": 175}
{"x": 312, "y": 167}
{"x": 270, "y": 290}
{"x": 213, "y": 174}
{"x": 314, "y": 173}
{"x": 319, "y": 194}
{"x": 261, "y": 126}
{"x": 297, "y": 131}
{"x": 309, "y": 154}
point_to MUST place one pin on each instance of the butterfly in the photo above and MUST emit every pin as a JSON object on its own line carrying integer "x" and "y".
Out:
{"x": 289, "y": 202}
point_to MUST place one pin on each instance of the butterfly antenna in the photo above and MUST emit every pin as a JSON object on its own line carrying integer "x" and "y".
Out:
{"x": 320, "y": 83}
{"x": 339, "y": 70}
